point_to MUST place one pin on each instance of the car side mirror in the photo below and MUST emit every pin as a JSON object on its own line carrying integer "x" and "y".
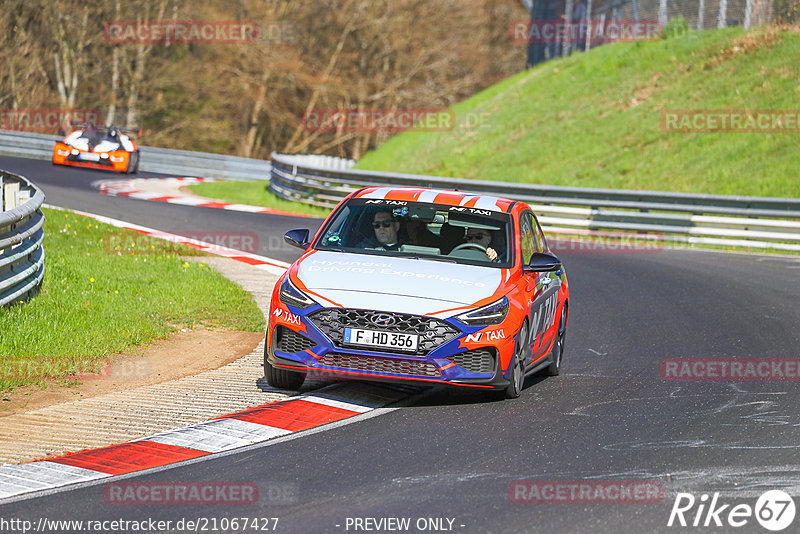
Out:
{"x": 297, "y": 237}
{"x": 542, "y": 262}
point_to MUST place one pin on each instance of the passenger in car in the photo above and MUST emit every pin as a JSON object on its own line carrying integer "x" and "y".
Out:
{"x": 418, "y": 233}
{"x": 385, "y": 229}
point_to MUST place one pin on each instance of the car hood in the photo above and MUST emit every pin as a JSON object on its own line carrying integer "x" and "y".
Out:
{"x": 404, "y": 285}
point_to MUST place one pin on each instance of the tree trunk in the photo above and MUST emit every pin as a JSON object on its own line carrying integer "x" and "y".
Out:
{"x": 315, "y": 95}
{"x": 112, "y": 104}
{"x": 252, "y": 130}
{"x": 748, "y": 14}
{"x": 142, "y": 51}
{"x": 588, "y": 44}
{"x": 701, "y": 11}
{"x": 568, "y": 33}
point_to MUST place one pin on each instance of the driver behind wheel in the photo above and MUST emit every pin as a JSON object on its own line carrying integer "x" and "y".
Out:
{"x": 481, "y": 237}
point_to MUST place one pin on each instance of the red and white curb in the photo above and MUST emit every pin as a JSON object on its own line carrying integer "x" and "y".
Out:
{"x": 229, "y": 432}
{"x": 260, "y": 262}
{"x": 168, "y": 190}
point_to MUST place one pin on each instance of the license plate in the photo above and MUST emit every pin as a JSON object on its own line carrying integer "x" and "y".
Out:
{"x": 377, "y": 338}
{"x": 89, "y": 156}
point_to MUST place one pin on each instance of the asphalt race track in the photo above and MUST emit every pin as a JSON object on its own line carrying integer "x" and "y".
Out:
{"x": 452, "y": 455}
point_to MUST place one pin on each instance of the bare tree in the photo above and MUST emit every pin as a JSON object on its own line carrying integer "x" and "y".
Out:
{"x": 112, "y": 103}
{"x": 71, "y": 38}
{"x": 137, "y": 72}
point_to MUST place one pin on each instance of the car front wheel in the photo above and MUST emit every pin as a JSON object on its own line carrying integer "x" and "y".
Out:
{"x": 283, "y": 378}
{"x": 557, "y": 353}
{"x": 517, "y": 372}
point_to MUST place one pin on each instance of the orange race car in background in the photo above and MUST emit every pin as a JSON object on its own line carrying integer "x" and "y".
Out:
{"x": 98, "y": 148}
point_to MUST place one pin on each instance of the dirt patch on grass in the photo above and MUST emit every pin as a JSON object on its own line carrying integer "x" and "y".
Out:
{"x": 765, "y": 37}
{"x": 644, "y": 93}
{"x": 185, "y": 353}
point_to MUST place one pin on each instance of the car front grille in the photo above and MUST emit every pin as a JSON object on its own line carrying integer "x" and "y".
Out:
{"x": 290, "y": 341}
{"x": 432, "y": 332}
{"x": 475, "y": 361}
{"x": 380, "y": 365}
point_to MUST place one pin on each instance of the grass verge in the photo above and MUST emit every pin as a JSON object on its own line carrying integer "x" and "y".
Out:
{"x": 594, "y": 120}
{"x": 254, "y": 193}
{"x": 102, "y": 295}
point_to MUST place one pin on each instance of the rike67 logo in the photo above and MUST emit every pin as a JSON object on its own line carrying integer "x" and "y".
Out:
{"x": 774, "y": 510}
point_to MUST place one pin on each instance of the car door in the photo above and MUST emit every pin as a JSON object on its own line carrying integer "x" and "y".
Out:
{"x": 544, "y": 286}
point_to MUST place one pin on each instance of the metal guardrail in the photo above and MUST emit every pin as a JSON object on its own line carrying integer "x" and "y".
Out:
{"x": 21, "y": 237}
{"x": 153, "y": 159}
{"x": 757, "y": 222}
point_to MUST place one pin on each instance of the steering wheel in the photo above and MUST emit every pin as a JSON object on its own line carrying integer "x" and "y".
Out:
{"x": 469, "y": 245}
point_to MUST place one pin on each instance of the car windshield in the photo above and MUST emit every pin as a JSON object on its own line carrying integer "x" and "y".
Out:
{"x": 422, "y": 230}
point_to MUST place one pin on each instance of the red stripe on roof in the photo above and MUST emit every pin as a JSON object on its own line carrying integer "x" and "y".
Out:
{"x": 504, "y": 204}
{"x": 128, "y": 457}
{"x": 404, "y": 194}
{"x": 449, "y": 198}
{"x": 294, "y": 415}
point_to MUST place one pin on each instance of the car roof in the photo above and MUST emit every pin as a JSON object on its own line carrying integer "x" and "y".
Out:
{"x": 437, "y": 196}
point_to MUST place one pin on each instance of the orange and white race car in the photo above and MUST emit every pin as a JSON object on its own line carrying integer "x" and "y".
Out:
{"x": 98, "y": 148}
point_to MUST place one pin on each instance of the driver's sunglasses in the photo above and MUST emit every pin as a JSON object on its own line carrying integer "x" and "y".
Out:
{"x": 385, "y": 224}
{"x": 470, "y": 237}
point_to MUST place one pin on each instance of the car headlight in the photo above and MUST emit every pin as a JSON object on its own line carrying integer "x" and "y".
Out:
{"x": 292, "y": 296}
{"x": 493, "y": 313}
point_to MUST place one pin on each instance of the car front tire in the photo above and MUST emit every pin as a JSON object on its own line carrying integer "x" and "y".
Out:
{"x": 517, "y": 378}
{"x": 133, "y": 163}
{"x": 557, "y": 352}
{"x": 282, "y": 378}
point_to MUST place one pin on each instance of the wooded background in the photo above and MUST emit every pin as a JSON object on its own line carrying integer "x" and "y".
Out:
{"x": 250, "y": 99}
